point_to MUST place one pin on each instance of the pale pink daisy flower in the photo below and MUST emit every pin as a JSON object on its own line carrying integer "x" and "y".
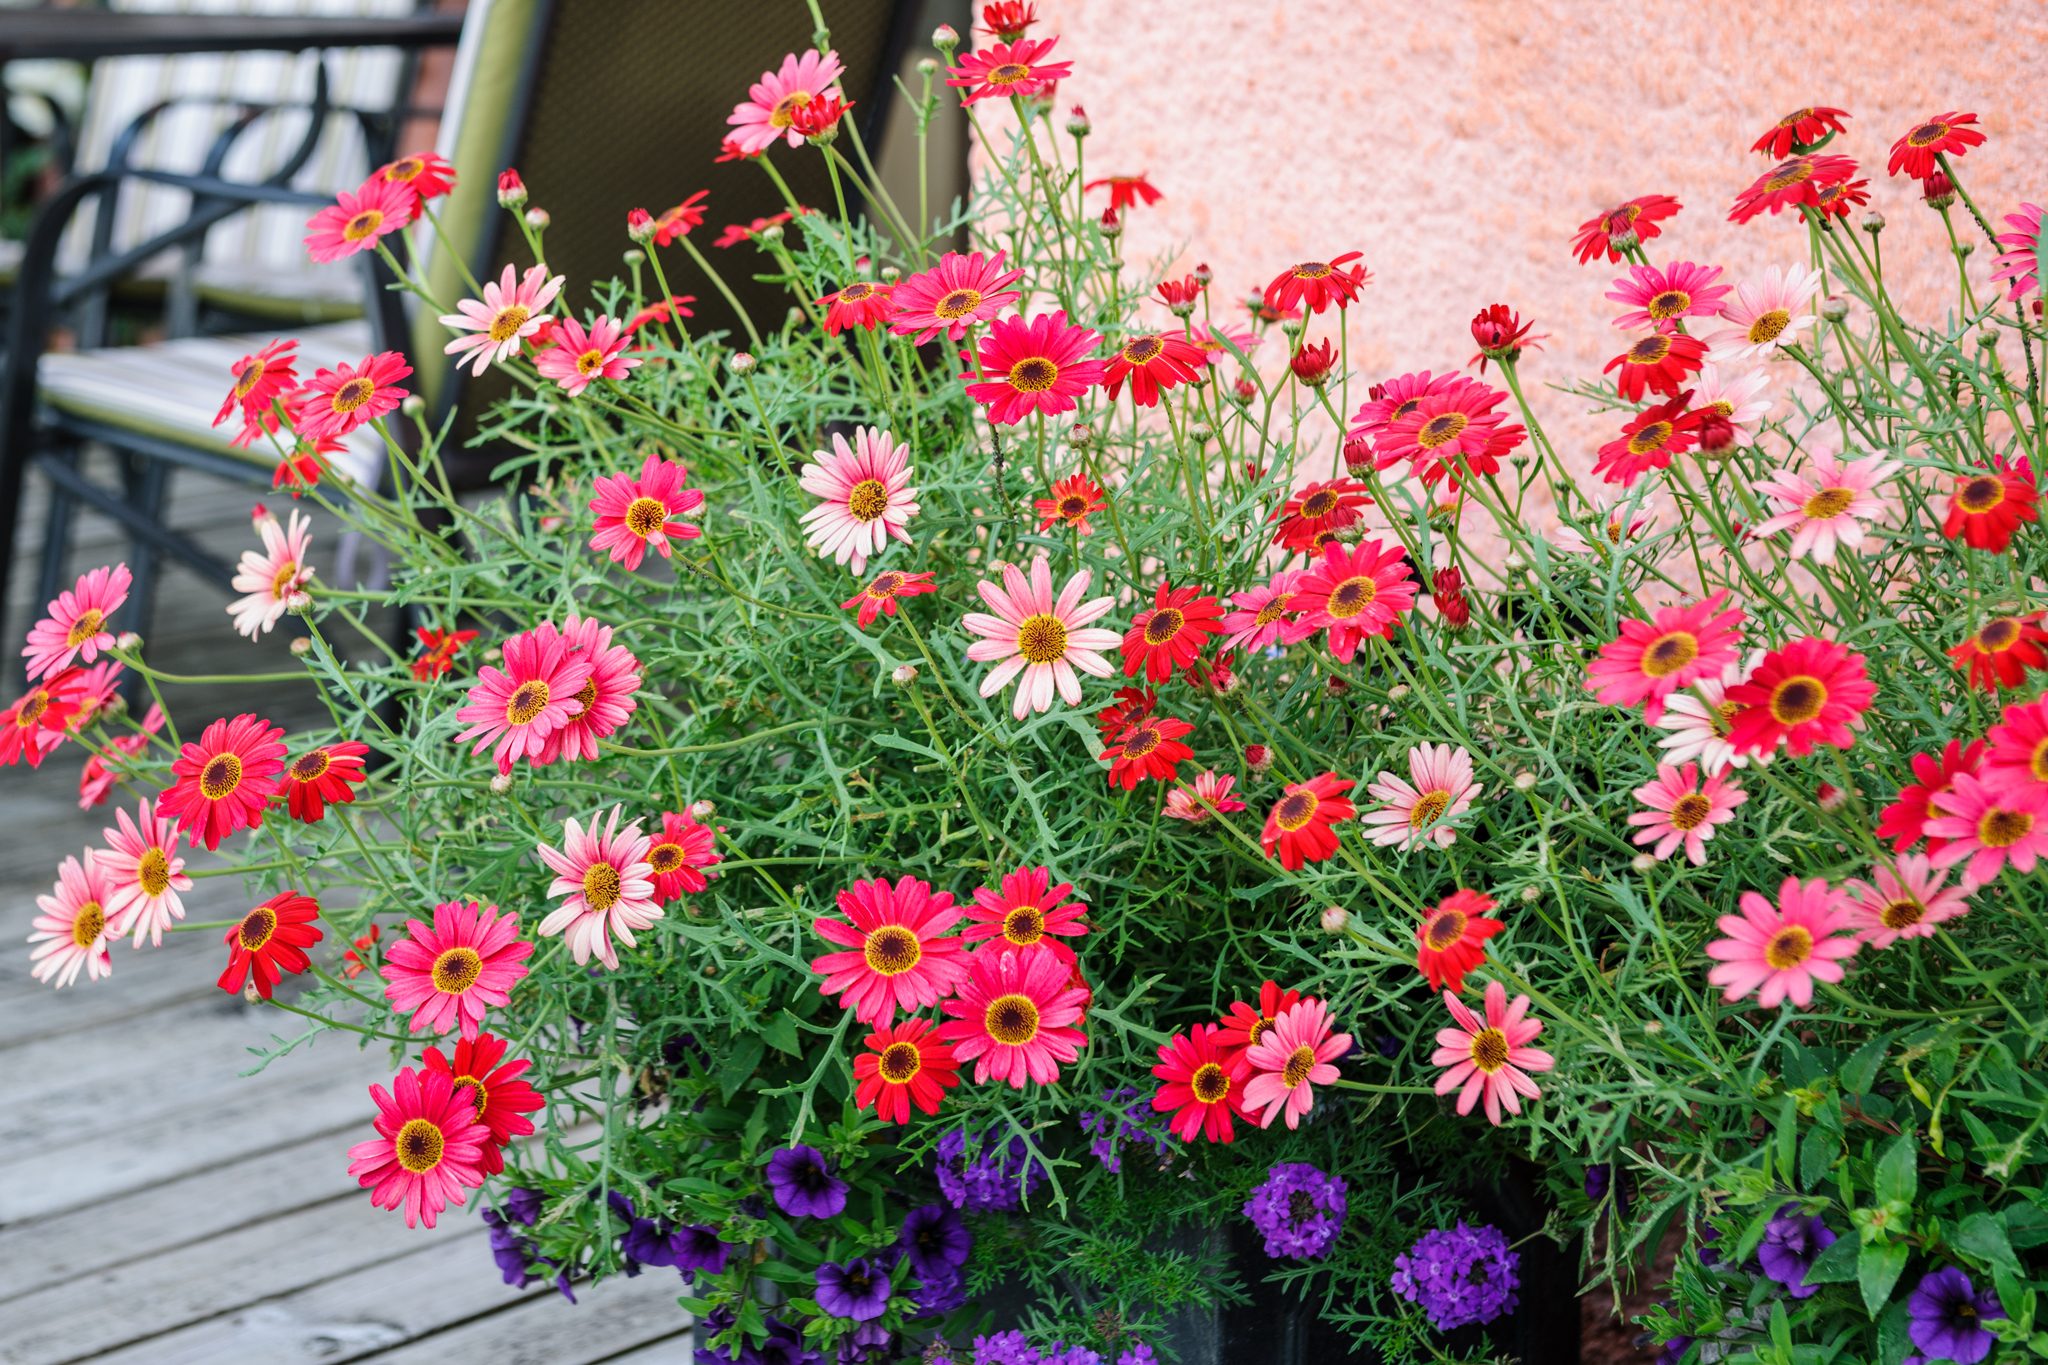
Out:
{"x": 1294, "y": 1054}
{"x": 272, "y": 580}
{"x": 1261, "y": 617}
{"x": 1616, "y": 522}
{"x": 608, "y": 885}
{"x": 1439, "y": 791}
{"x": 1738, "y": 393}
{"x": 1661, "y": 296}
{"x": 1490, "y": 1059}
{"x": 1766, "y": 314}
{"x": 143, "y": 874}
{"x": 1908, "y": 899}
{"x": 951, "y": 296}
{"x": 72, "y": 928}
{"x": 606, "y": 695}
{"x": 1827, "y": 505}
{"x": 508, "y": 314}
{"x": 1684, "y": 810}
{"x": 1208, "y": 795}
{"x": 769, "y": 110}
{"x": 1779, "y": 951}
{"x": 1990, "y": 825}
{"x": 1697, "y": 721}
{"x": 1041, "y": 638}
{"x": 867, "y": 497}
{"x": 517, "y": 707}
{"x": 577, "y": 357}
{"x": 635, "y": 515}
{"x": 446, "y": 976}
{"x": 75, "y": 628}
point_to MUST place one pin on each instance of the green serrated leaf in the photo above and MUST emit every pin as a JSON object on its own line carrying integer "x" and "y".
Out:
{"x": 1878, "y": 1269}
{"x": 1983, "y": 1236}
{"x": 1860, "y": 1072}
{"x": 1898, "y": 1174}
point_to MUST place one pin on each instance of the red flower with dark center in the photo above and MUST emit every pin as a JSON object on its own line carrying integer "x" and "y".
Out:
{"x": 1657, "y": 362}
{"x": 1315, "y": 285}
{"x": 1904, "y": 821}
{"x": 1318, "y": 508}
{"x": 1839, "y": 198}
{"x": 1792, "y": 182}
{"x": 224, "y": 780}
{"x": 1153, "y": 363}
{"x": 478, "y": 1071}
{"x": 881, "y": 593}
{"x": 1171, "y": 632}
{"x": 819, "y": 117}
{"x": 270, "y": 943}
{"x": 1802, "y": 130}
{"x": 1244, "y": 1025}
{"x": 1203, "y": 1084}
{"x": 1298, "y": 828}
{"x": 1623, "y": 226}
{"x": 1988, "y": 506}
{"x": 1649, "y": 441}
{"x": 1151, "y": 748}
{"x": 1074, "y": 499}
{"x": 1447, "y": 431}
{"x": 323, "y": 775}
{"x": 861, "y": 304}
{"x": 438, "y": 649}
{"x": 1126, "y": 191}
{"x": 679, "y": 853}
{"x": 1450, "y": 940}
{"x": 1132, "y": 705}
{"x": 1007, "y": 69}
{"x": 904, "y": 1065}
{"x": 40, "y": 719}
{"x": 1946, "y": 134}
{"x": 1999, "y": 653}
{"x": 1039, "y": 364}
{"x": 1008, "y": 19}
{"x": 1809, "y": 693}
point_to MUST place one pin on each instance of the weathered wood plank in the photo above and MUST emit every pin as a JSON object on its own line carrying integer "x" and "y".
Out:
{"x": 541, "y": 1329}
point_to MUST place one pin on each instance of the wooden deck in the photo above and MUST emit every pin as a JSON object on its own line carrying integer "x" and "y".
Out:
{"x": 159, "y": 1208}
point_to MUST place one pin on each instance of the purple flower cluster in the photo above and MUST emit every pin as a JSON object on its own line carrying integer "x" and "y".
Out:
{"x": 1298, "y": 1209}
{"x": 1113, "y": 1125}
{"x": 803, "y": 1184}
{"x": 689, "y": 1247}
{"x": 995, "y": 1179}
{"x": 1792, "y": 1243}
{"x": 1012, "y": 1348}
{"x": 1459, "y": 1276}
{"x": 518, "y": 1261}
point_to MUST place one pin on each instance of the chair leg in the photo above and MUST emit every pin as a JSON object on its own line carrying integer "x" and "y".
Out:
{"x": 147, "y": 482}
{"x": 58, "y": 521}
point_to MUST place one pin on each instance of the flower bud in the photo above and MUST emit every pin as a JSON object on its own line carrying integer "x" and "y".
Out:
{"x": 511, "y": 190}
{"x": 1312, "y": 364}
{"x": 1398, "y": 692}
{"x": 301, "y": 646}
{"x": 128, "y": 641}
{"x": 1357, "y": 452}
{"x": 1834, "y": 308}
{"x": 928, "y": 66}
{"x": 1203, "y": 274}
{"x": 1987, "y": 337}
{"x": 1642, "y": 862}
{"x": 771, "y": 233}
{"x": 1938, "y": 190}
{"x": 1292, "y": 327}
{"x": 1336, "y": 686}
{"x": 739, "y": 362}
{"x": 538, "y": 219}
{"x": 1244, "y": 391}
{"x": 1717, "y": 434}
{"x": 1531, "y": 894}
{"x": 945, "y": 38}
{"x": 640, "y": 226}
{"x": 1081, "y": 436}
{"x": 633, "y": 257}
{"x": 1258, "y": 757}
{"x": 1525, "y": 781}
{"x": 1200, "y": 434}
{"x": 903, "y": 675}
{"x": 1336, "y": 919}
{"x": 890, "y": 274}
{"x": 501, "y": 783}
{"x": 1872, "y": 223}
{"x": 1112, "y": 225}
{"x": 1077, "y": 122}
{"x": 700, "y": 810}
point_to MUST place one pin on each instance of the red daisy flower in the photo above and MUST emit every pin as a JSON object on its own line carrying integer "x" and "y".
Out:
{"x": 1649, "y": 441}
{"x": 1014, "y": 1016}
{"x": 1170, "y": 633}
{"x": 1451, "y": 939}
{"x": 270, "y": 943}
{"x": 1298, "y": 828}
{"x": 1500, "y": 334}
{"x": 1312, "y": 364}
{"x": 40, "y": 719}
{"x": 1317, "y": 508}
{"x": 1809, "y": 693}
{"x": 1677, "y": 647}
{"x": 1132, "y": 705}
{"x": 1801, "y": 130}
{"x": 1904, "y": 821}
{"x": 952, "y": 296}
{"x": 445, "y": 975}
{"x": 1204, "y": 1084}
{"x": 224, "y": 780}
{"x": 1449, "y": 425}
{"x": 819, "y": 117}
{"x": 672, "y": 308}
{"x": 300, "y": 467}
{"x": 1999, "y": 653}
{"x": 337, "y": 401}
{"x": 1315, "y": 285}
{"x": 359, "y": 219}
{"x": 321, "y": 775}
{"x": 427, "y": 174}
{"x": 860, "y": 304}
{"x": 1126, "y": 191}
{"x": 1153, "y": 363}
{"x": 904, "y": 1065}
{"x": 1028, "y": 908}
{"x": 1074, "y": 499}
{"x": 900, "y": 956}
{"x": 879, "y": 597}
{"x": 1353, "y": 592}
{"x": 1151, "y": 748}
{"x": 260, "y": 380}
{"x": 1008, "y": 19}
{"x": 1988, "y": 506}
{"x": 1839, "y": 198}
{"x": 1658, "y": 363}
{"x": 679, "y": 854}
{"x": 1036, "y": 365}
{"x": 1448, "y": 592}
{"x": 1004, "y": 69}
{"x": 438, "y": 649}
{"x": 479, "y": 1071}
{"x": 1623, "y": 226}
{"x": 1792, "y": 182}
{"x": 1244, "y": 1025}
{"x": 1946, "y": 134}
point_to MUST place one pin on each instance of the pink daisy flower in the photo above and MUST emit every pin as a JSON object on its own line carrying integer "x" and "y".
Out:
{"x": 1697, "y": 723}
{"x": 71, "y": 931}
{"x": 1263, "y": 613}
{"x": 1649, "y": 660}
{"x": 2019, "y": 744}
{"x": 1908, "y": 899}
{"x": 882, "y": 592}
{"x": 1739, "y": 395}
{"x": 577, "y": 357}
{"x": 223, "y": 781}
{"x": 1003, "y": 69}
{"x": 1027, "y": 909}
{"x": 447, "y": 976}
{"x": 1039, "y": 365}
{"x": 1660, "y": 295}
{"x": 1990, "y": 825}
{"x": 952, "y": 296}
{"x": 1209, "y": 794}
{"x": 1826, "y": 506}
{"x": 272, "y": 580}
{"x": 1352, "y": 591}
{"x": 2019, "y": 266}
{"x": 606, "y": 696}
{"x": 1778, "y": 951}
{"x": 429, "y": 1146}
{"x": 679, "y": 854}
{"x": 1684, "y": 810}
{"x": 1292, "y": 1057}
{"x": 1765, "y": 315}
{"x": 513, "y": 710}
{"x": 142, "y": 873}
{"x": 867, "y": 497}
{"x": 1490, "y": 1059}
{"x": 509, "y": 312}
{"x": 74, "y": 630}
{"x": 769, "y": 110}
{"x": 335, "y": 402}
{"x": 1445, "y": 428}
{"x": 93, "y": 691}
{"x": 1440, "y": 789}
{"x": 261, "y": 379}
{"x": 96, "y": 779}
{"x": 638, "y": 514}
{"x": 1015, "y": 1015}
{"x": 1037, "y": 640}
{"x": 359, "y": 219}
{"x": 898, "y": 955}
{"x": 607, "y": 885}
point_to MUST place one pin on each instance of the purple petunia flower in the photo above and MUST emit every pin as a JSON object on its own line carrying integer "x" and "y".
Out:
{"x": 1947, "y": 1315}
{"x": 1792, "y": 1242}
{"x": 523, "y": 1205}
{"x": 857, "y": 1290}
{"x": 997, "y": 1178}
{"x": 868, "y": 1343}
{"x": 1299, "y": 1210}
{"x": 803, "y": 1185}
{"x": 1459, "y": 1276}
{"x": 519, "y": 1263}
{"x": 937, "y": 1295}
{"x": 697, "y": 1246}
{"x": 936, "y": 1241}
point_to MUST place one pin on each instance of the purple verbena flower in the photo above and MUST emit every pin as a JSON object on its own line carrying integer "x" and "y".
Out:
{"x": 857, "y": 1290}
{"x": 1298, "y": 1209}
{"x": 1946, "y": 1317}
{"x": 1005, "y": 1348}
{"x": 1792, "y": 1242}
{"x": 1459, "y": 1276}
{"x": 803, "y": 1185}
{"x": 995, "y": 1179}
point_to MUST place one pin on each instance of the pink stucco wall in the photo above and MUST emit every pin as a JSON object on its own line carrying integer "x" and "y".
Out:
{"x": 1459, "y": 144}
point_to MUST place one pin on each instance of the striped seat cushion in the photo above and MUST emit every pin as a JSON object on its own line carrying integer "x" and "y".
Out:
{"x": 172, "y": 390}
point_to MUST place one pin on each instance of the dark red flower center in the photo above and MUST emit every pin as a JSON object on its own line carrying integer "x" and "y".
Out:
{"x": 257, "y": 927}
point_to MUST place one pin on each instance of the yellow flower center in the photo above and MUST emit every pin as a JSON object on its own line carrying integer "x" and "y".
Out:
{"x": 311, "y": 767}
{"x": 283, "y": 581}
{"x": 364, "y": 224}
{"x": 1650, "y": 350}
{"x": 1300, "y": 1062}
{"x": 1211, "y": 1083}
{"x": 1768, "y": 327}
{"x": 590, "y": 362}
{"x": 1034, "y": 374}
{"x": 1011, "y": 1019}
{"x": 153, "y": 872}
{"x": 868, "y": 500}
{"x": 1829, "y": 503}
{"x": 1351, "y": 597}
{"x": 1009, "y": 73}
{"x": 1442, "y": 429}
{"x": 1690, "y": 811}
{"x": 509, "y": 319}
{"x": 957, "y": 304}
{"x": 1789, "y": 947}
{"x": 1295, "y": 810}
{"x": 900, "y": 1063}
{"x": 1024, "y": 925}
{"x": 85, "y": 627}
{"x": 248, "y": 377}
{"x": 1669, "y": 304}
{"x": 1669, "y": 653}
{"x": 1138, "y": 350}
{"x": 529, "y": 700}
{"x": 353, "y": 394}
{"x": 601, "y": 886}
{"x": 1489, "y": 1050}
{"x": 88, "y": 924}
{"x": 419, "y": 1146}
{"x": 1981, "y": 494}
{"x": 1428, "y": 809}
{"x": 457, "y": 969}
{"x": 1041, "y": 639}
{"x": 1651, "y": 437}
{"x": 1998, "y": 634}
{"x": 892, "y": 950}
{"x": 1445, "y": 928}
{"x": 784, "y": 112}
{"x": 1902, "y": 914}
{"x": 1798, "y": 699}
{"x": 2001, "y": 828}
{"x": 219, "y": 778}
{"x": 1164, "y": 625}
{"x": 664, "y": 858}
{"x": 257, "y": 927}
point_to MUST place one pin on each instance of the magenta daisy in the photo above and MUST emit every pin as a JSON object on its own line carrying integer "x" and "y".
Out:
{"x": 272, "y": 580}
{"x": 2018, "y": 267}
{"x": 898, "y": 955}
{"x": 1004, "y": 69}
{"x": 1765, "y": 315}
{"x": 1294, "y": 1054}
{"x": 578, "y": 357}
{"x": 1262, "y": 614}
{"x": 1489, "y": 1059}
{"x": 513, "y": 710}
{"x": 680, "y": 852}
{"x": 429, "y": 1146}
{"x": 1016, "y": 1015}
{"x": 513, "y": 308}
{"x": 607, "y": 885}
{"x": 359, "y": 219}
{"x": 1039, "y": 365}
{"x": 1825, "y": 506}
{"x": 335, "y": 402}
{"x": 1353, "y": 592}
{"x": 1037, "y": 639}
{"x": 142, "y": 873}
{"x": 446, "y": 976}
{"x": 71, "y": 931}
{"x": 636, "y": 514}
{"x": 606, "y": 696}
{"x": 1988, "y": 826}
{"x": 74, "y": 628}
{"x": 1683, "y": 810}
{"x": 1906, "y": 898}
{"x": 866, "y": 497}
{"x": 1448, "y": 431}
{"x": 1661, "y": 296}
{"x": 1777, "y": 952}
{"x": 222, "y": 783}
{"x": 769, "y": 110}
{"x": 1649, "y": 660}
{"x": 952, "y": 296}
{"x": 1208, "y": 795}
{"x": 1440, "y": 789}
{"x": 1027, "y": 909}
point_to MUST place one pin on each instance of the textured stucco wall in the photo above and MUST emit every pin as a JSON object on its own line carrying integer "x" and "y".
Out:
{"x": 1459, "y": 144}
